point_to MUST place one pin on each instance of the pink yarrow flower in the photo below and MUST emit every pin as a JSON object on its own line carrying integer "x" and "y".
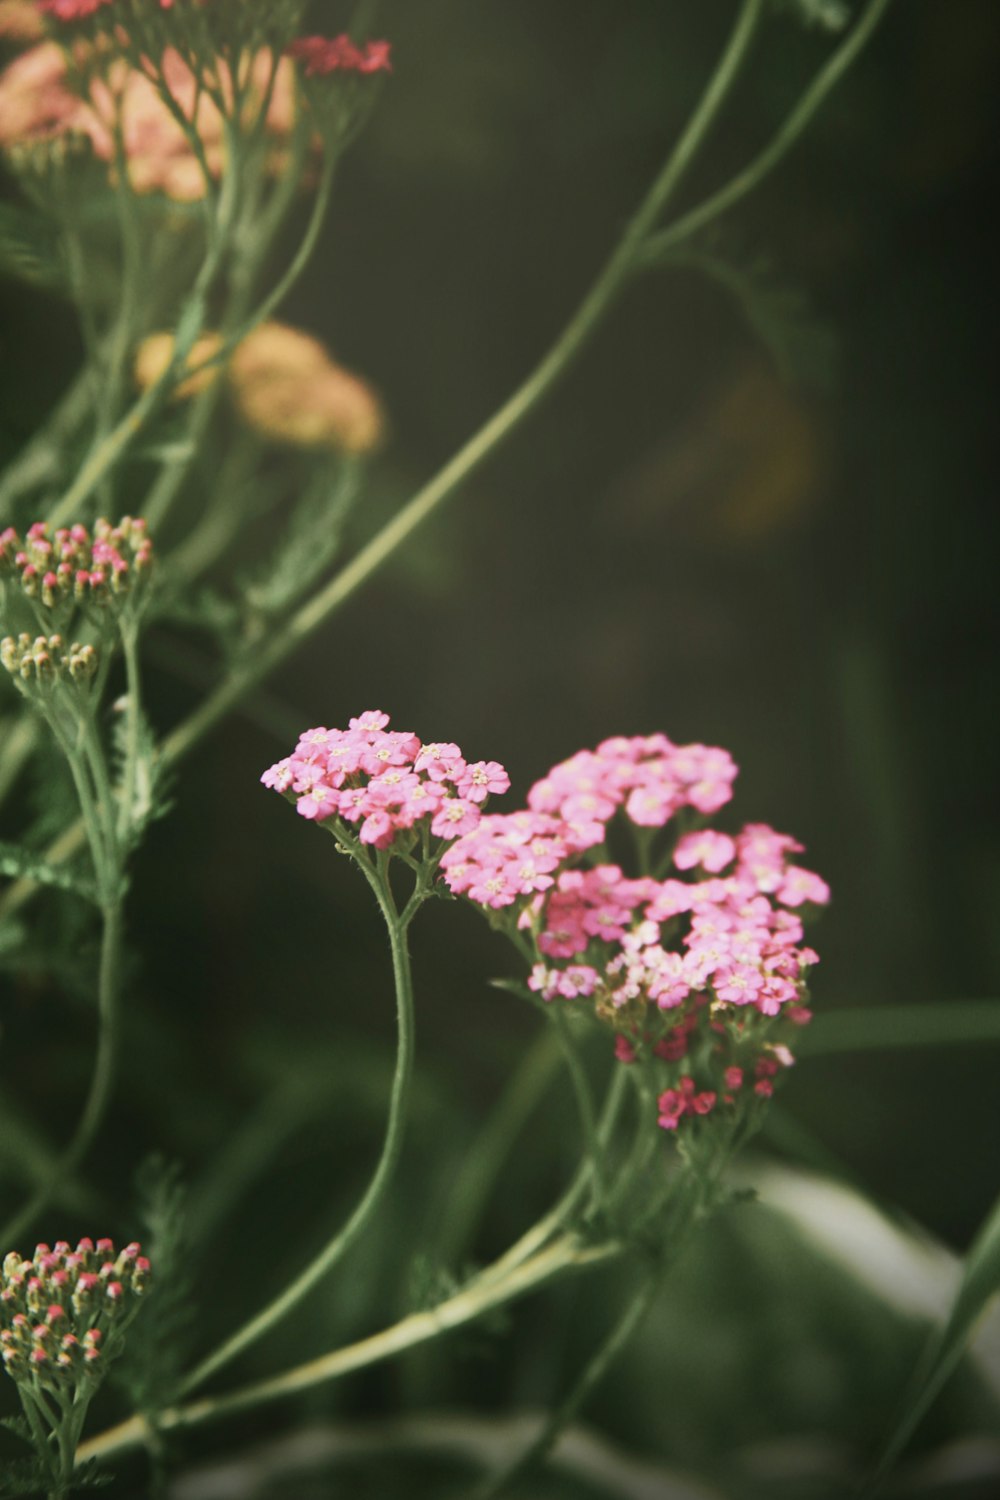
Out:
{"x": 384, "y": 781}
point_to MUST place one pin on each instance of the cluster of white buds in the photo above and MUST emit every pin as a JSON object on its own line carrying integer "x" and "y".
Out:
{"x": 41, "y": 661}
{"x": 61, "y": 569}
{"x": 63, "y": 1313}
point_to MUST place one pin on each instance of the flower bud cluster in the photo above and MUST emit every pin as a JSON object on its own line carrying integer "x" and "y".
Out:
{"x": 387, "y": 783}
{"x": 61, "y": 569}
{"x": 44, "y": 660}
{"x": 63, "y": 1313}
{"x": 701, "y": 970}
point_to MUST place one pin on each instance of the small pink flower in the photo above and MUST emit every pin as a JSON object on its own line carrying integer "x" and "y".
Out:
{"x": 455, "y": 817}
{"x": 479, "y": 780}
{"x": 712, "y": 851}
{"x": 801, "y": 885}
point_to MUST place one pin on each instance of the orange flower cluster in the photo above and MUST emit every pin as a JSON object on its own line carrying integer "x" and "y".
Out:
{"x": 284, "y": 385}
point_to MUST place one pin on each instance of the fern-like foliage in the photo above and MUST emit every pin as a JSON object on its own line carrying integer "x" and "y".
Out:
{"x": 50, "y": 803}
{"x": 159, "y": 1342}
{"x": 309, "y": 545}
{"x": 801, "y": 343}
{"x": 17, "y": 863}
{"x": 151, "y": 799}
{"x": 29, "y": 249}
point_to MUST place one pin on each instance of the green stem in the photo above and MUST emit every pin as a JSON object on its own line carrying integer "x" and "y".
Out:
{"x": 584, "y": 1100}
{"x": 342, "y": 1241}
{"x": 16, "y": 750}
{"x": 91, "y": 821}
{"x": 110, "y": 447}
{"x": 316, "y": 611}
{"x": 597, "y": 1366}
{"x": 464, "y": 1307}
{"x": 101, "y": 1082}
{"x": 544, "y": 1228}
{"x": 481, "y": 1166}
{"x": 133, "y": 712}
{"x": 792, "y": 128}
{"x": 39, "y": 460}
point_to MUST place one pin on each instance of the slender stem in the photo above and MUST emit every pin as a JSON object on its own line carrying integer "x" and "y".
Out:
{"x": 584, "y": 1100}
{"x": 133, "y": 711}
{"x": 464, "y": 1307}
{"x": 482, "y": 1164}
{"x": 342, "y": 1241}
{"x": 38, "y": 460}
{"x": 593, "y": 1373}
{"x": 617, "y": 270}
{"x": 91, "y": 822}
{"x": 15, "y": 752}
{"x": 110, "y": 447}
{"x": 102, "y": 1079}
{"x": 545, "y": 1227}
{"x": 279, "y": 292}
{"x": 792, "y": 128}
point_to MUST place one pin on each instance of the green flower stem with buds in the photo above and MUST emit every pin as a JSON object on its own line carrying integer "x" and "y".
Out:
{"x": 397, "y": 925}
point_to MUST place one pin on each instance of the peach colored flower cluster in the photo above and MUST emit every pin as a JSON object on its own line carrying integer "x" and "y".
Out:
{"x": 284, "y": 384}
{"x": 39, "y": 104}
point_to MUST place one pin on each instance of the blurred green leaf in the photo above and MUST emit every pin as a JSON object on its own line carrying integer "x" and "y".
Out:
{"x": 801, "y": 343}
{"x": 980, "y": 1283}
{"x": 29, "y": 248}
{"x": 23, "y": 864}
{"x": 948, "y": 1023}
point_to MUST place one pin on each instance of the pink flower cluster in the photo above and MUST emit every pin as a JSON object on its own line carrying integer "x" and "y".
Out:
{"x": 69, "y": 565}
{"x": 58, "y": 1309}
{"x": 322, "y": 55}
{"x": 647, "y": 777}
{"x": 386, "y": 781}
{"x": 706, "y": 956}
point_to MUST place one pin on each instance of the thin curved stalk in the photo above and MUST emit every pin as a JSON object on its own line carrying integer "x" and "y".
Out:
{"x": 584, "y": 1102}
{"x": 763, "y": 164}
{"x": 38, "y": 460}
{"x": 566, "y": 1254}
{"x": 101, "y": 1083}
{"x": 544, "y": 1228}
{"x": 388, "y": 1160}
{"x": 481, "y": 1165}
{"x": 133, "y": 711}
{"x": 597, "y": 1366}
